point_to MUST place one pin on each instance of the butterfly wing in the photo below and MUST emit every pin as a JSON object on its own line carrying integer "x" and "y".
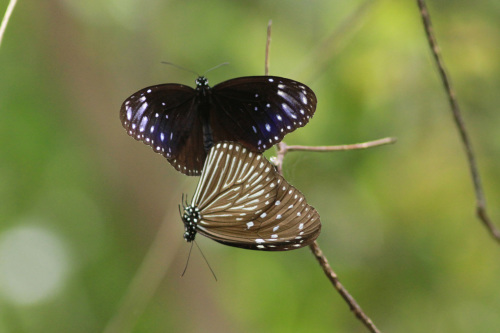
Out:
{"x": 258, "y": 111}
{"x": 234, "y": 185}
{"x": 165, "y": 118}
{"x": 245, "y": 203}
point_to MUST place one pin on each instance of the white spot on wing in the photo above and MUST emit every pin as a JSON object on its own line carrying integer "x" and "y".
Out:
{"x": 141, "y": 110}
{"x": 142, "y": 125}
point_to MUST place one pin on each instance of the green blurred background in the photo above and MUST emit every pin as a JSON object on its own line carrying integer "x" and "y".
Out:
{"x": 90, "y": 234}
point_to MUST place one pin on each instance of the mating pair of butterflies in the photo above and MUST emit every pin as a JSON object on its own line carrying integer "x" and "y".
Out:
{"x": 220, "y": 132}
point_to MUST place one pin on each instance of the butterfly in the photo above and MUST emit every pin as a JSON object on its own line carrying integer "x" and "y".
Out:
{"x": 182, "y": 123}
{"x": 242, "y": 201}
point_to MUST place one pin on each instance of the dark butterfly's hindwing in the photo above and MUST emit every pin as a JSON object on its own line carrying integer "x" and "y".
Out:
{"x": 258, "y": 111}
{"x": 165, "y": 118}
{"x": 245, "y": 203}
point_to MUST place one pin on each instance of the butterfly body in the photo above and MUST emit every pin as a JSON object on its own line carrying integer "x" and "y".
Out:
{"x": 182, "y": 123}
{"x": 242, "y": 201}
{"x": 203, "y": 102}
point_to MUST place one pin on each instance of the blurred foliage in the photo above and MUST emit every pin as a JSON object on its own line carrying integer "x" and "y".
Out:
{"x": 90, "y": 236}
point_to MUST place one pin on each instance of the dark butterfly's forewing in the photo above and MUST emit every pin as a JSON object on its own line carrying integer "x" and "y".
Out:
{"x": 244, "y": 202}
{"x": 258, "y": 111}
{"x": 165, "y": 117}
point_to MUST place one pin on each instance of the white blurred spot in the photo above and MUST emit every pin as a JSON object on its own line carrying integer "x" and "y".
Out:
{"x": 33, "y": 264}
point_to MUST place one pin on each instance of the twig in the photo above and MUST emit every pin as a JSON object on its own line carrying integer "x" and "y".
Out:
{"x": 5, "y": 20}
{"x": 268, "y": 47}
{"x": 283, "y": 149}
{"x": 459, "y": 122}
{"x": 353, "y": 305}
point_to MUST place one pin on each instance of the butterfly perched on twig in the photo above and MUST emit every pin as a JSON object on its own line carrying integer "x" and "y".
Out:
{"x": 242, "y": 201}
{"x": 182, "y": 123}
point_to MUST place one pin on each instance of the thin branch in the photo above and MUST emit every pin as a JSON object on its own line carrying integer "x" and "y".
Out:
{"x": 283, "y": 149}
{"x": 459, "y": 122}
{"x": 268, "y": 47}
{"x": 5, "y": 20}
{"x": 353, "y": 305}
{"x": 354, "y": 146}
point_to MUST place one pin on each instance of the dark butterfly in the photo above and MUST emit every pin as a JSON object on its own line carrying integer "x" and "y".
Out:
{"x": 242, "y": 201}
{"x": 181, "y": 123}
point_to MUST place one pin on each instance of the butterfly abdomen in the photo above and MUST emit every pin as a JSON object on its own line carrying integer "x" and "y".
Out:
{"x": 204, "y": 102}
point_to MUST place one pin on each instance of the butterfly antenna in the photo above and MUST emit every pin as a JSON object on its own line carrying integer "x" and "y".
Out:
{"x": 211, "y": 270}
{"x": 219, "y": 65}
{"x": 187, "y": 261}
{"x": 180, "y": 67}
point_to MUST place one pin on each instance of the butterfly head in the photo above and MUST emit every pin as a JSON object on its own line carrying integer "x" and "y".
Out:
{"x": 191, "y": 217}
{"x": 201, "y": 83}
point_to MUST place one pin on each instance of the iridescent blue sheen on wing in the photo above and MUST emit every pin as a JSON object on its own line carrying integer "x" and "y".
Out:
{"x": 259, "y": 111}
